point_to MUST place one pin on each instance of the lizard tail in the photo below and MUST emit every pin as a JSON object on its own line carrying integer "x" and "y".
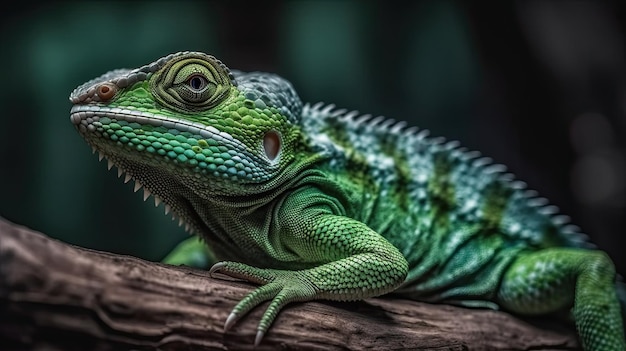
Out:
{"x": 621, "y": 296}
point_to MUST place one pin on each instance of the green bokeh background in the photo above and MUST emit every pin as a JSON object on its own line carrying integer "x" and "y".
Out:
{"x": 432, "y": 63}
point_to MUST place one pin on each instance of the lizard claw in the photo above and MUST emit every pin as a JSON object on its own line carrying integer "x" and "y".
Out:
{"x": 279, "y": 287}
{"x": 259, "y": 336}
{"x": 230, "y": 321}
{"x": 216, "y": 267}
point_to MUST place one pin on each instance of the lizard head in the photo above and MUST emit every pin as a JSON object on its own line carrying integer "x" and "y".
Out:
{"x": 187, "y": 122}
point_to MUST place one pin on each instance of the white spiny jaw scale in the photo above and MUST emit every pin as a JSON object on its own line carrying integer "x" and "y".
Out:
{"x": 146, "y": 194}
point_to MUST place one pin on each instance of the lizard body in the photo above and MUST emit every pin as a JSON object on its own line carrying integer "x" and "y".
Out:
{"x": 314, "y": 202}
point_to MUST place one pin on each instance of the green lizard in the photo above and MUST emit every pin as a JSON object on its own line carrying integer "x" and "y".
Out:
{"x": 313, "y": 202}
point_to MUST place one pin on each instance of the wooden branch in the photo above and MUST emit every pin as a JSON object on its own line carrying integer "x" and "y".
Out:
{"x": 55, "y": 296}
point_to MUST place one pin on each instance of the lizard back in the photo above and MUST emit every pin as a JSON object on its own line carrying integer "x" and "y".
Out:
{"x": 455, "y": 215}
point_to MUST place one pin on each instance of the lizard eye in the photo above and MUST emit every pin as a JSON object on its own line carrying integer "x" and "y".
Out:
{"x": 196, "y": 89}
{"x": 197, "y": 82}
{"x": 191, "y": 83}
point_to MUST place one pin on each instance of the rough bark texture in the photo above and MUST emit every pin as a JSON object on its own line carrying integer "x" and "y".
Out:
{"x": 55, "y": 296}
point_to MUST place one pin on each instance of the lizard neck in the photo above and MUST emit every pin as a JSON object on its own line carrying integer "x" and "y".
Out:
{"x": 231, "y": 225}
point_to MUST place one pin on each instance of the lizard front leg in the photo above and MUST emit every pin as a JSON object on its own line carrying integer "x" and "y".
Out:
{"x": 349, "y": 262}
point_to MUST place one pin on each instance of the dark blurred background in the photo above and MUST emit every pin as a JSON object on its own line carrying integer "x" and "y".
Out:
{"x": 538, "y": 85}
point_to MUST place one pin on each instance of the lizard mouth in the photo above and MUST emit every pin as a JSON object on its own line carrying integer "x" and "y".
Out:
{"x": 197, "y": 147}
{"x": 88, "y": 118}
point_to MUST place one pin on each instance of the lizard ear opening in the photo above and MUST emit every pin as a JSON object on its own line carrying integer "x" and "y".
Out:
{"x": 271, "y": 145}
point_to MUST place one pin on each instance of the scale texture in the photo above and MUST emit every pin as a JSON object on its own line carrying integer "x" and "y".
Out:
{"x": 314, "y": 202}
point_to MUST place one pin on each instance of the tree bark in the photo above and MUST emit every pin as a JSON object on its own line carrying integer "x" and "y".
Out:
{"x": 55, "y": 296}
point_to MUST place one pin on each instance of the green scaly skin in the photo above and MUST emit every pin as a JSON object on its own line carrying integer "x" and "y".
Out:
{"x": 312, "y": 202}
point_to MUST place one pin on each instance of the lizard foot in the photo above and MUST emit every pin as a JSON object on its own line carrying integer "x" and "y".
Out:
{"x": 279, "y": 286}
{"x": 190, "y": 252}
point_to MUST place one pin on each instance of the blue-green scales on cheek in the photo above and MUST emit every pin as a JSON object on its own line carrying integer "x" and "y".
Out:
{"x": 312, "y": 202}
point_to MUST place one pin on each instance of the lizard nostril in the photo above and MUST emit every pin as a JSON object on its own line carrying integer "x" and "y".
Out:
{"x": 106, "y": 91}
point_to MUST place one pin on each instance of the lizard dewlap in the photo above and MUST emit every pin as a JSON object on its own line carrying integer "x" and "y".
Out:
{"x": 313, "y": 202}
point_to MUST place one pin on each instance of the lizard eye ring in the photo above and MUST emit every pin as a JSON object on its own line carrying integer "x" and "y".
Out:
{"x": 191, "y": 82}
